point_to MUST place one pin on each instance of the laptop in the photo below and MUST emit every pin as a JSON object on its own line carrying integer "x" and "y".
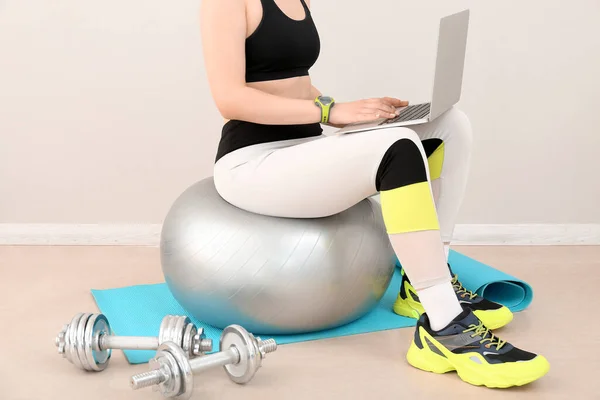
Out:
{"x": 447, "y": 80}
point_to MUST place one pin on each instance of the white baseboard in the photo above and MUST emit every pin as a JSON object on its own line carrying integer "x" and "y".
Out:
{"x": 149, "y": 234}
{"x": 527, "y": 234}
{"x": 80, "y": 234}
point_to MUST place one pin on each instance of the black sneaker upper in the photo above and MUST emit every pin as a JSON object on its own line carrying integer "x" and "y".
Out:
{"x": 404, "y": 291}
{"x": 467, "y": 334}
{"x": 471, "y": 299}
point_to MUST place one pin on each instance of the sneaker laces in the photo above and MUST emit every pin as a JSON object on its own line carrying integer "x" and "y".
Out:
{"x": 486, "y": 336}
{"x": 460, "y": 289}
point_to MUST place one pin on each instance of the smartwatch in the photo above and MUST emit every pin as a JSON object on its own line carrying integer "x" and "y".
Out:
{"x": 325, "y": 103}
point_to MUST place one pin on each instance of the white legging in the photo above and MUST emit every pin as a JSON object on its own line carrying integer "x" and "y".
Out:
{"x": 322, "y": 176}
{"x": 325, "y": 175}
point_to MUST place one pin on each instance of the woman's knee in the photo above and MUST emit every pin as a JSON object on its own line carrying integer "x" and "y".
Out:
{"x": 403, "y": 162}
{"x": 384, "y": 139}
{"x": 458, "y": 127}
{"x": 388, "y": 136}
{"x": 403, "y": 183}
{"x": 448, "y": 137}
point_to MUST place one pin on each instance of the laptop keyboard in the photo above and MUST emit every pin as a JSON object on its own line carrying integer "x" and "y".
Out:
{"x": 410, "y": 113}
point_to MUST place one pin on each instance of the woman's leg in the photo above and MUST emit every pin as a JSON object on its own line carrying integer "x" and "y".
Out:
{"x": 447, "y": 141}
{"x": 327, "y": 175}
{"x": 324, "y": 176}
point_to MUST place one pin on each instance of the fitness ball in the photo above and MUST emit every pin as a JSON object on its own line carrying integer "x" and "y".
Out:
{"x": 273, "y": 275}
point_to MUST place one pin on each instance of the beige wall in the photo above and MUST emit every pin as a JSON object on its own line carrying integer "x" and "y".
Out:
{"x": 105, "y": 113}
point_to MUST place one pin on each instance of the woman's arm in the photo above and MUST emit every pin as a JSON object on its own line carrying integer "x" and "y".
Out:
{"x": 223, "y": 28}
{"x": 314, "y": 93}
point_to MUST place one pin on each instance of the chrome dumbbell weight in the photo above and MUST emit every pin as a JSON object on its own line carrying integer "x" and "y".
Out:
{"x": 171, "y": 373}
{"x": 87, "y": 340}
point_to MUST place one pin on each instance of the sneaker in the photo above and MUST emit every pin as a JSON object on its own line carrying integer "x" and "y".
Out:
{"x": 492, "y": 314}
{"x": 476, "y": 354}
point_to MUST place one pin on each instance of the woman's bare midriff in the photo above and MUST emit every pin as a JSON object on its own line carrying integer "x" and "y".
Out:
{"x": 294, "y": 88}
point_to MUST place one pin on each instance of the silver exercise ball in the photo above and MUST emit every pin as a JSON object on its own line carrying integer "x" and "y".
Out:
{"x": 273, "y": 275}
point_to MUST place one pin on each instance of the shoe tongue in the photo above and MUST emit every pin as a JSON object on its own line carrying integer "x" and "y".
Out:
{"x": 466, "y": 318}
{"x": 461, "y": 322}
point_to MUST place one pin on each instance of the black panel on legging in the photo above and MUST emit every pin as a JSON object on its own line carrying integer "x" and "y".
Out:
{"x": 431, "y": 145}
{"x": 402, "y": 165}
{"x": 238, "y": 134}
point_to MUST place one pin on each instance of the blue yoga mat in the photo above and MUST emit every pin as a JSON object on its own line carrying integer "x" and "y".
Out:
{"x": 138, "y": 310}
{"x": 491, "y": 283}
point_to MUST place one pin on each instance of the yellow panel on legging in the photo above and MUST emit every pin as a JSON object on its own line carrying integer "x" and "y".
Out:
{"x": 435, "y": 161}
{"x": 409, "y": 209}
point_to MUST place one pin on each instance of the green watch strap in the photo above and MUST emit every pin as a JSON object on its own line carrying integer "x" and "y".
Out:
{"x": 325, "y": 103}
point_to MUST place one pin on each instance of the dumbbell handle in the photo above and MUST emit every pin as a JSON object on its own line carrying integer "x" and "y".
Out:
{"x": 128, "y": 342}
{"x": 156, "y": 376}
{"x": 163, "y": 372}
{"x": 219, "y": 359}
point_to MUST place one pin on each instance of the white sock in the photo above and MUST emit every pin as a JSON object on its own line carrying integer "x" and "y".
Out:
{"x": 440, "y": 304}
{"x": 421, "y": 254}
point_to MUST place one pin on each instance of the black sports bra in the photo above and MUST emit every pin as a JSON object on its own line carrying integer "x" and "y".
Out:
{"x": 281, "y": 47}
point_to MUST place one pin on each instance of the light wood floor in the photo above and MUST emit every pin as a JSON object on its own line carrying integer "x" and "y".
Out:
{"x": 42, "y": 287}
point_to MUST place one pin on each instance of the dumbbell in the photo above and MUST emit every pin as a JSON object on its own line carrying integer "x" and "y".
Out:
{"x": 87, "y": 340}
{"x": 171, "y": 373}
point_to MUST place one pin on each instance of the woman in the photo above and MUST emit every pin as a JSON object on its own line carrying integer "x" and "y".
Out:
{"x": 274, "y": 160}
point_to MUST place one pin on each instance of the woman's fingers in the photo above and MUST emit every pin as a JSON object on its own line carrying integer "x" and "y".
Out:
{"x": 378, "y": 113}
{"x": 395, "y": 102}
{"x": 375, "y": 113}
{"x": 381, "y": 108}
{"x": 367, "y": 117}
{"x": 381, "y": 104}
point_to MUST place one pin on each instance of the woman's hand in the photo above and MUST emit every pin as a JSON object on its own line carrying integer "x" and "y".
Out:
{"x": 365, "y": 110}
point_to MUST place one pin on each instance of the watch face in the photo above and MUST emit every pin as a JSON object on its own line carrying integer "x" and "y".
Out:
{"x": 326, "y": 100}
